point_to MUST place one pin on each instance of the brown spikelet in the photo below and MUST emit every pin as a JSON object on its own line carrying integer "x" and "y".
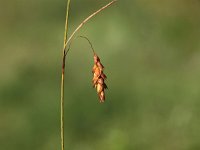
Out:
{"x": 99, "y": 78}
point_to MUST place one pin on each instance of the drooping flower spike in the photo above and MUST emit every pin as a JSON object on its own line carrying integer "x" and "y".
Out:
{"x": 99, "y": 78}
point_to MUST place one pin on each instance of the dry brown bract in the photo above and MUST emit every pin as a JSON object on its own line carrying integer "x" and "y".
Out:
{"x": 99, "y": 78}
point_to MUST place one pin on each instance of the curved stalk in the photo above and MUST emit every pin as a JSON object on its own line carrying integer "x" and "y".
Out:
{"x": 84, "y": 37}
{"x": 86, "y": 20}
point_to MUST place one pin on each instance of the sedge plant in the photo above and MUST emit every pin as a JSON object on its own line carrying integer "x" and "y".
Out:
{"x": 97, "y": 70}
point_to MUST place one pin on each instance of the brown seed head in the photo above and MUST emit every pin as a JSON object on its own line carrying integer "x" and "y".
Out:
{"x": 99, "y": 78}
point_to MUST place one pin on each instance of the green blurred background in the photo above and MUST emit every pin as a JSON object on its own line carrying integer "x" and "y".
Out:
{"x": 151, "y": 51}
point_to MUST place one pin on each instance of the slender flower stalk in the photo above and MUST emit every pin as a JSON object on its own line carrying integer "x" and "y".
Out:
{"x": 66, "y": 48}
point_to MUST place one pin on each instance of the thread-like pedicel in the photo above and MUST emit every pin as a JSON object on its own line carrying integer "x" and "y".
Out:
{"x": 99, "y": 78}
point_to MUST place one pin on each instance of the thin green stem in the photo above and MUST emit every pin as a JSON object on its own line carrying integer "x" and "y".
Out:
{"x": 66, "y": 22}
{"x": 63, "y": 79}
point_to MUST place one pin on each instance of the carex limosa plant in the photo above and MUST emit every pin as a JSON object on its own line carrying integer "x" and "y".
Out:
{"x": 99, "y": 77}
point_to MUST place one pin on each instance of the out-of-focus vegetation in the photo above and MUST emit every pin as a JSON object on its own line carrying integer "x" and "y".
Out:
{"x": 151, "y": 51}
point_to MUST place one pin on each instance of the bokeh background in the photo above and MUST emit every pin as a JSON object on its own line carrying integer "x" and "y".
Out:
{"x": 151, "y": 52}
